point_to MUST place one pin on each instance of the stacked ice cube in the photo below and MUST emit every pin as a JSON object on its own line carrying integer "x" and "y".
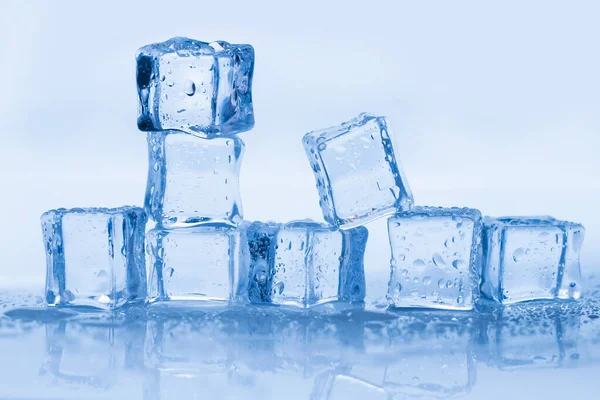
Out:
{"x": 195, "y": 98}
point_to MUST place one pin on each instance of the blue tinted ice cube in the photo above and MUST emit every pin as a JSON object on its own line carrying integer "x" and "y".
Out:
{"x": 201, "y": 88}
{"x": 94, "y": 256}
{"x": 531, "y": 258}
{"x": 305, "y": 263}
{"x": 192, "y": 180}
{"x": 435, "y": 258}
{"x": 203, "y": 263}
{"x": 358, "y": 173}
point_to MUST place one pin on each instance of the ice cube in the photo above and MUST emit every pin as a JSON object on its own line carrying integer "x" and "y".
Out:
{"x": 204, "y": 263}
{"x": 94, "y": 256}
{"x": 358, "y": 173}
{"x": 201, "y": 88}
{"x": 193, "y": 181}
{"x": 304, "y": 263}
{"x": 531, "y": 258}
{"x": 435, "y": 258}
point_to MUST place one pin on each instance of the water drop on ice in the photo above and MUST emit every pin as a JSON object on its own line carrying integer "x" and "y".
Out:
{"x": 458, "y": 264}
{"x": 441, "y": 283}
{"x": 189, "y": 87}
{"x": 427, "y": 280}
{"x": 543, "y": 237}
{"x": 418, "y": 263}
{"x": 518, "y": 254}
{"x": 438, "y": 260}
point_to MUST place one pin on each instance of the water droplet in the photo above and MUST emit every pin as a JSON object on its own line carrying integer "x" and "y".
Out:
{"x": 543, "y": 237}
{"x": 398, "y": 287}
{"x": 438, "y": 260}
{"x": 416, "y": 280}
{"x": 170, "y": 272}
{"x": 518, "y": 254}
{"x": 420, "y": 231}
{"x": 189, "y": 87}
{"x": 401, "y": 257}
{"x": 441, "y": 283}
{"x": 102, "y": 274}
{"x": 449, "y": 284}
{"x": 458, "y": 264}
{"x": 289, "y": 246}
{"x": 449, "y": 242}
{"x": 414, "y": 292}
{"x": 321, "y": 146}
{"x": 162, "y": 78}
{"x": 427, "y": 280}
{"x": 572, "y": 284}
{"x": 404, "y": 272}
{"x": 418, "y": 263}
{"x": 170, "y": 83}
{"x": 280, "y": 286}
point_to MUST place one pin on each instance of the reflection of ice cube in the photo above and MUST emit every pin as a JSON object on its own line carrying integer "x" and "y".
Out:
{"x": 201, "y": 88}
{"x": 432, "y": 356}
{"x": 531, "y": 258}
{"x": 94, "y": 354}
{"x": 435, "y": 257}
{"x": 337, "y": 386}
{"x": 533, "y": 337}
{"x": 359, "y": 176}
{"x": 94, "y": 256}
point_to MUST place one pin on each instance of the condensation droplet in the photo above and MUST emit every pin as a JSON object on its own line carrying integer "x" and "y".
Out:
{"x": 418, "y": 263}
{"x": 518, "y": 254}
{"x": 458, "y": 264}
{"x": 427, "y": 280}
{"x": 189, "y": 87}
{"x": 401, "y": 257}
{"x": 543, "y": 237}
{"x": 420, "y": 231}
{"x": 441, "y": 283}
{"x": 438, "y": 260}
{"x": 321, "y": 146}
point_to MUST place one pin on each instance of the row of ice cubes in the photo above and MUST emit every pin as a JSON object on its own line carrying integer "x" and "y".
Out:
{"x": 441, "y": 258}
{"x": 194, "y": 99}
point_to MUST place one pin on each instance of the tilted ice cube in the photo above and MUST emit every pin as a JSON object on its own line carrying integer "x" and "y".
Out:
{"x": 94, "y": 256}
{"x": 192, "y": 180}
{"x": 435, "y": 257}
{"x": 305, "y": 263}
{"x": 201, "y": 88}
{"x": 531, "y": 258}
{"x": 358, "y": 173}
{"x": 203, "y": 263}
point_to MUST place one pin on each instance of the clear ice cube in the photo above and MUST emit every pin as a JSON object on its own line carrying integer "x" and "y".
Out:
{"x": 94, "y": 256}
{"x": 435, "y": 258}
{"x": 203, "y": 263}
{"x": 192, "y": 180}
{"x": 305, "y": 263}
{"x": 531, "y": 258}
{"x": 358, "y": 173}
{"x": 197, "y": 87}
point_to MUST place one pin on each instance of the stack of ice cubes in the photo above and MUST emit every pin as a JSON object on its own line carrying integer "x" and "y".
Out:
{"x": 195, "y": 99}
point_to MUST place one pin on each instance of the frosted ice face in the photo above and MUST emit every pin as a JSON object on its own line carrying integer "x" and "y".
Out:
{"x": 192, "y": 181}
{"x": 201, "y": 88}
{"x": 94, "y": 256}
{"x": 197, "y": 264}
{"x": 531, "y": 258}
{"x": 435, "y": 258}
{"x": 305, "y": 263}
{"x": 358, "y": 173}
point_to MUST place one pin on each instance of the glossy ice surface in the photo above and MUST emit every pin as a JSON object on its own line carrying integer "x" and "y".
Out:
{"x": 94, "y": 256}
{"x": 305, "y": 263}
{"x": 531, "y": 258}
{"x": 435, "y": 257}
{"x": 204, "y": 263}
{"x": 261, "y": 352}
{"x": 358, "y": 172}
{"x": 193, "y": 181}
{"x": 197, "y": 87}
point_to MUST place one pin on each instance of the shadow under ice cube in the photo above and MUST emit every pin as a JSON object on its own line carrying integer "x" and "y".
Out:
{"x": 358, "y": 173}
{"x": 193, "y": 181}
{"x": 203, "y": 263}
{"x": 531, "y": 258}
{"x": 435, "y": 258}
{"x": 305, "y": 263}
{"x": 94, "y": 256}
{"x": 201, "y": 88}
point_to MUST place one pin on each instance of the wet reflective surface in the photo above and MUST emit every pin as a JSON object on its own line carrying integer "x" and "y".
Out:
{"x": 542, "y": 350}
